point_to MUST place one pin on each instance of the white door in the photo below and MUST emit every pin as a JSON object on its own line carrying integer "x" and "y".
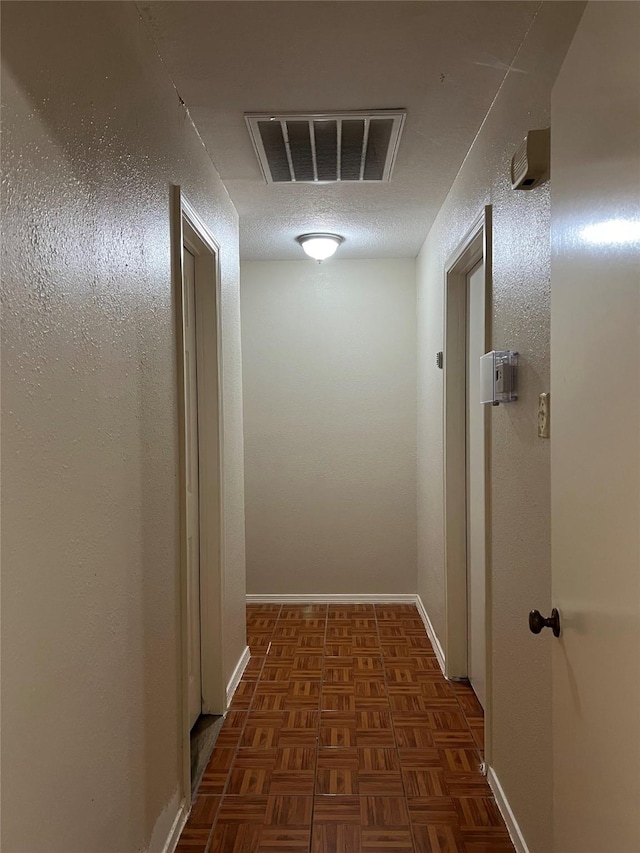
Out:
{"x": 475, "y": 484}
{"x": 595, "y": 435}
{"x": 192, "y": 486}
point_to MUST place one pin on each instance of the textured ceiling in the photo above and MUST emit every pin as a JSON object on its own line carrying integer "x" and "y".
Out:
{"x": 442, "y": 61}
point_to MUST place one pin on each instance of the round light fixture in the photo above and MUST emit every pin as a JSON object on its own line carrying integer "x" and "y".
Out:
{"x": 320, "y": 246}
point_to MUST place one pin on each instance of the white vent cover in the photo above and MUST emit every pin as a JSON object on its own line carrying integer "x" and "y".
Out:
{"x": 319, "y": 148}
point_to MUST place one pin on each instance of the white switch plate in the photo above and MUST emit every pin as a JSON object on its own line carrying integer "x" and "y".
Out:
{"x": 544, "y": 412}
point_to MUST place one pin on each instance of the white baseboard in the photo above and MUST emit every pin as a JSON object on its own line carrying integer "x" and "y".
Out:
{"x": 237, "y": 674}
{"x": 435, "y": 642}
{"x": 176, "y": 830}
{"x": 505, "y": 810}
{"x": 406, "y": 598}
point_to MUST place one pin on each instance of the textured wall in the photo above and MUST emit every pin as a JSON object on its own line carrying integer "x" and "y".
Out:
{"x": 93, "y": 138}
{"x": 329, "y": 385}
{"x": 519, "y": 526}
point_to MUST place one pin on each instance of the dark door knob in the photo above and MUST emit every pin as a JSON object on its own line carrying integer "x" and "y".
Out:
{"x": 537, "y": 622}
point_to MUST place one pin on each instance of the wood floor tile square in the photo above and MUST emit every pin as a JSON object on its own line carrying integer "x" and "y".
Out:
{"x": 275, "y": 673}
{"x": 467, "y": 784}
{"x": 295, "y": 758}
{"x": 221, "y": 759}
{"x": 298, "y": 737}
{"x": 419, "y": 643}
{"x": 376, "y": 758}
{"x": 336, "y": 632}
{"x": 303, "y": 718}
{"x": 375, "y": 737}
{"x": 334, "y": 701}
{"x": 391, "y": 633}
{"x": 407, "y": 702}
{"x": 283, "y": 840}
{"x": 304, "y": 694}
{"x": 242, "y": 810}
{"x": 427, "y": 758}
{"x": 399, "y": 674}
{"x": 195, "y": 835}
{"x": 243, "y": 695}
{"x": 213, "y": 781}
{"x": 387, "y": 840}
{"x": 339, "y": 614}
{"x": 445, "y": 740}
{"x": 281, "y": 651}
{"x": 229, "y": 738}
{"x": 254, "y": 666}
{"x": 292, "y": 782}
{"x": 381, "y": 784}
{"x": 384, "y": 811}
{"x": 337, "y": 674}
{"x": 329, "y": 757}
{"x": 337, "y": 780}
{"x": 368, "y": 666}
{"x": 432, "y": 810}
{"x": 338, "y": 649}
{"x": 425, "y": 782}
{"x": 446, "y": 720}
{"x": 486, "y": 841}
{"x": 337, "y": 729}
{"x": 438, "y": 838}
{"x": 290, "y": 811}
{"x": 366, "y": 687}
{"x": 312, "y": 641}
{"x": 269, "y": 702}
{"x": 262, "y": 735}
{"x": 412, "y": 737}
{"x": 365, "y": 625}
{"x": 272, "y": 687}
{"x": 437, "y": 689}
{"x": 339, "y": 810}
{"x": 249, "y": 781}
{"x": 307, "y": 666}
{"x": 203, "y": 812}
{"x": 335, "y": 838}
{"x": 461, "y": 760}
{"x": 193, "y": 840}
{"x": 366, "y": 642}
{"x": 475, "y": 812}
{"x": 235, "y": 838}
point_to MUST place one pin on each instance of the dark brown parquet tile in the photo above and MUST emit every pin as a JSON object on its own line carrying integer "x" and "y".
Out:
{"x": 438, "y": 838}
{"x": 344, "y": 737}
{"x": 196, "y": 833}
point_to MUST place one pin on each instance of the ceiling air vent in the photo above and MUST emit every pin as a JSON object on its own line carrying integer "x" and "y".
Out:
{"x": 320, "y": 148}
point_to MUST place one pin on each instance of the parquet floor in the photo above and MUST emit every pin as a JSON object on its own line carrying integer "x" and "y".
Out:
{"x": 344, "y": 737}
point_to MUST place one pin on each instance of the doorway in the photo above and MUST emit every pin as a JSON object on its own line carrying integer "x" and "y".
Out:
{"x": 467, "y": 336}
{"x": 475, "y": 486}
{"x": 197, "y": 286}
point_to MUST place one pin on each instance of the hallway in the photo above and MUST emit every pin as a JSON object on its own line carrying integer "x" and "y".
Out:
{"x": 343, "y": 736}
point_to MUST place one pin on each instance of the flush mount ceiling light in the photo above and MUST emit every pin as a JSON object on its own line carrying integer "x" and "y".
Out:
{"x": 320, "y": 246}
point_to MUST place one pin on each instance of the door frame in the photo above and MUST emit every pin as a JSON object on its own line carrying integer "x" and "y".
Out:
{"x": 474, "y": 247}
{"x": 189, "y": 229}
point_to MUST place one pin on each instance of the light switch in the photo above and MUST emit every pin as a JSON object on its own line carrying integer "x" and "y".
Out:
{"x": 544, "y": 413}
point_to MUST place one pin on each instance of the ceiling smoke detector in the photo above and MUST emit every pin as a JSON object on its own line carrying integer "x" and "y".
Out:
{"x": 320, "y": 148}
{"x": 530, "y": 163}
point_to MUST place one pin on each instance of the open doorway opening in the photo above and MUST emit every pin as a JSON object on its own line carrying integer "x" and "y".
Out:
{"x": 467, "y": 481}
{"x": 203, "y": 695}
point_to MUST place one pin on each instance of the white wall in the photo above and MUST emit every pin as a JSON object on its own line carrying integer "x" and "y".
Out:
{"x": 329, "y": 411}
{"x": 595, "y": 451}
{"x": 520, "y": 512}
{"x": 93, "y": 138}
